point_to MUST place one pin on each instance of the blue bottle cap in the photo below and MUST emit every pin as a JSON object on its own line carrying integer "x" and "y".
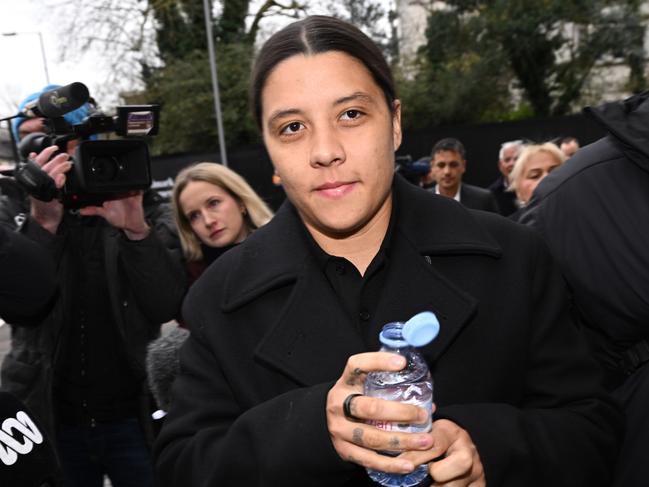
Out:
{"x": 421, "y": 329}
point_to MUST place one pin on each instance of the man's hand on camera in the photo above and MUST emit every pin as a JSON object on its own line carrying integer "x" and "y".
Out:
{"x": 49, "y": 214}
{"x": 124, "y": 213}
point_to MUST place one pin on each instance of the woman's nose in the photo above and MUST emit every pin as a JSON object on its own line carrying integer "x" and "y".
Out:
{"x": 209, "y": 218}
{"x": 326, "y": 148}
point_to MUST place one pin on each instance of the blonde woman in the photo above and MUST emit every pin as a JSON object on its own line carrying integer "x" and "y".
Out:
{"x": 533, "y": 164}
{"x": 214, "y": 209}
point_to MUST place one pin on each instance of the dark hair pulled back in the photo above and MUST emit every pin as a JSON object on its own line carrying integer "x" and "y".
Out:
{"x": 316, "y": 35}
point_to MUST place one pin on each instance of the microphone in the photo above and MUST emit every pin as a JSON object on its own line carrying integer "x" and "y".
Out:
{"x": 163, "y": 365}
{"x": 27, "y": 457}
{"x": 57, "y": 102}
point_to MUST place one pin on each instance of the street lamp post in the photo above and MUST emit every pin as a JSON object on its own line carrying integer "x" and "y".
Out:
{"x": 40, "y": 38}
{"x": 215, "y": 81}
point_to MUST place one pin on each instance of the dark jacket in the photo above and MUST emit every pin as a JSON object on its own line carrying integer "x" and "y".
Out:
{"x": 146, "y": 285}
{"x": 13, "y": 201}
{"x": 475, "y": 198}
{"x": 593, "y": 212}
{"x": 506, "y": 200}
{"x": 478, "y": 198}
{"x": 27, "y": 278}
{"x": 269, "y": 338}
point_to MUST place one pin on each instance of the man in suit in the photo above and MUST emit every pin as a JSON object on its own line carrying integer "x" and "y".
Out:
{"x": 506, "y": 200}
{"x": 448, "y": 164}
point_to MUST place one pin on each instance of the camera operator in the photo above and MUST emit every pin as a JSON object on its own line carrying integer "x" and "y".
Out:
{"x": 82, "y": 370}
{"x": 13, "y": 197}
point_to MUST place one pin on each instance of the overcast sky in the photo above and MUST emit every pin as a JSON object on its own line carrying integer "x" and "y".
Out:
{"x": 21, "y": 61}
{"x": 22, "y": 70}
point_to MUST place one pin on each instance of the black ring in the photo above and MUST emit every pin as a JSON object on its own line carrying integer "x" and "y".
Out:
{"x": 347, "y": 410}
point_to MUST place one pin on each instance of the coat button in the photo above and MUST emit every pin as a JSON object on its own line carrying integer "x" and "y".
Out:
{"x": 125, "y": 303}
{"x": 364, "y": 315}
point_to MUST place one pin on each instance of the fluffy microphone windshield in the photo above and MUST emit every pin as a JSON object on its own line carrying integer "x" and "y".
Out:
{"x": 163, "y": 365}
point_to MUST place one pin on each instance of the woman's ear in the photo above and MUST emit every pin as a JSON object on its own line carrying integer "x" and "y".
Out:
{"x": 396, "y": 124}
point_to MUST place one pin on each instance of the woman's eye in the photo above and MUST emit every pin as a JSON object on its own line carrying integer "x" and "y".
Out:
{"x": 213, "y": 203}
{"x": 351, "y": 115}
{"x": 292, "y": 128}
{"x": 192, "y": 217}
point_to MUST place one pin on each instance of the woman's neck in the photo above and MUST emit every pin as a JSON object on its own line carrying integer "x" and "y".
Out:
{"x": 362, "y": 245}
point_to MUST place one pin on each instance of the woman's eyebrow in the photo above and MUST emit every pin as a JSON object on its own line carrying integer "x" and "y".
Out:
{"x": 359, "y": 95}
{"x": 286, "y": 112}
{"x": 281, "y": 113}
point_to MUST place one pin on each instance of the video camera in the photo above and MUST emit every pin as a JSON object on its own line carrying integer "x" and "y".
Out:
{"x": 101, "y": 169}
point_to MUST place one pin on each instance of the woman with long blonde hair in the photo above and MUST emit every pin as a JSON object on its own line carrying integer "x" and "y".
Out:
{"x": 214, "y": 208}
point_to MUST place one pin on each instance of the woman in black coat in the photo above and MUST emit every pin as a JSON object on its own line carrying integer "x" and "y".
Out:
{"x": 284, "y": 327}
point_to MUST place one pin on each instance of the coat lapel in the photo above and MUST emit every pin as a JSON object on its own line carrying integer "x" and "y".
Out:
{"x": 313, "y": 337}
{"x": 413, "y": 285}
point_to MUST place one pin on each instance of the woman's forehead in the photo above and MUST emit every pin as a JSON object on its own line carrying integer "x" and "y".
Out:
{"x": 305, "y": 78}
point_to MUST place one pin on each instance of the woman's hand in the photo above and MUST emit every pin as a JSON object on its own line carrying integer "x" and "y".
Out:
{"x": 358, "y": 442}
{"x": 457, "y": 460}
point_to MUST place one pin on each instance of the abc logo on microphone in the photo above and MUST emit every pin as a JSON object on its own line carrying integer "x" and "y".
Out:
{"x": 27, "y": 458}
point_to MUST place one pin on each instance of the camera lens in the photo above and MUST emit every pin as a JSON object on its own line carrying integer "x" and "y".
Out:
{"x": 105, "y": 168}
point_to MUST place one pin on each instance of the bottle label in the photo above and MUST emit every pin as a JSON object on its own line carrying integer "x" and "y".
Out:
{"x": 407, "y": 427}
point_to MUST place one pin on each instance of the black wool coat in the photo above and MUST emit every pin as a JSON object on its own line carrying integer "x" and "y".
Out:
{"x": 269, "y": 338}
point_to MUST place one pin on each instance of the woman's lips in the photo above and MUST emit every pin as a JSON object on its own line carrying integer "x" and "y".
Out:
{"x": 215, "y": 233}
{"x": 335, "y": 189}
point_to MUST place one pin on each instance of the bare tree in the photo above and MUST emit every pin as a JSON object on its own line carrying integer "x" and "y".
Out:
{"x": 119, "y": 34}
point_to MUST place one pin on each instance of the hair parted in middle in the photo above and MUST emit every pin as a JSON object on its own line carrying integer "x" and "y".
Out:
{"x": 257, "y": 212}
{"x": 313, "y": 35}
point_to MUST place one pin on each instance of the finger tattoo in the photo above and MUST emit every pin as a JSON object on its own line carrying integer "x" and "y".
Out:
{"x": 394, "y": 442}
{"x": 355, "y": 377}
{"x": 357, "y": 436}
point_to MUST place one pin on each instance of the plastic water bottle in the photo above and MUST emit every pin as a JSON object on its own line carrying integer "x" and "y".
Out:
{"x": 411, "y": 385}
